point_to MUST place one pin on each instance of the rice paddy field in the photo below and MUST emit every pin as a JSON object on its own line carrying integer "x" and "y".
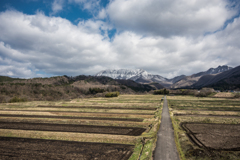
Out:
{"x": 206, "y": 128}
{"x": 117, "y": 128}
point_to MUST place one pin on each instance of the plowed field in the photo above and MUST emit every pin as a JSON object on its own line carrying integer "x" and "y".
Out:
{"x": 100, "y": 107}
{"x": 68, "y": 117}
{"x": 24, "y": 148}
{"x": 132, "y": 131}
{"x": 214, "y": 136}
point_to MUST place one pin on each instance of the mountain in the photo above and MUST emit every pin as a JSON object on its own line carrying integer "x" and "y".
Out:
{"x": 123, "y": 73}
{"x": 176, "y": 79}
{"x": 143, "y": 77}
{"x": 188, "y": 81}
{"x": 217, "y": 70}
{"x": 229, "y": 79}
{"x": 137, "y": 75}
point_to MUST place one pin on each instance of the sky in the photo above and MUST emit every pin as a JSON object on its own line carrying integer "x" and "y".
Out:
{"x": 43, "y": 38}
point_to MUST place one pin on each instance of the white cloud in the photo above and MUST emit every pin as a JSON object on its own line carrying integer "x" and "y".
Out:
{"x": 90, "y": 5}
{"x": 53, "y": 45}
{"x": 102, "y": 14}
{"x": 57, "y": 6}
{"x": 67, "y": 48}
{"x": 169, "y": 17}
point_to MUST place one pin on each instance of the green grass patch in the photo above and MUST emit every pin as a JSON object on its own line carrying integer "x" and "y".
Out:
{"x": 176, "y": 136}
{"x": 137, "y": 150}
{"x": 148, "y": 150}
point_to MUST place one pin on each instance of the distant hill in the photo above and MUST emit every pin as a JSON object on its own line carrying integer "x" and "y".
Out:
{"x": 9, "y": 79}
{"x": 64, "y": 87}
{"x": 217, "y": 70}
{"x": 188, "y": 81}
{"x": 226, "y": 80}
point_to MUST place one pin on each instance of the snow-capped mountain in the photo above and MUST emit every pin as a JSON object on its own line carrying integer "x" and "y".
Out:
{"x": 142, "y": 76}
{"x": 191, "y": 80}
{"x": 217, "y": 70}
{"x": 132, "y": 74}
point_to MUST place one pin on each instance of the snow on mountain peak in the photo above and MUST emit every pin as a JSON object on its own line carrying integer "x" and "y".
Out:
{"x": 219, "y": 69}
{"x": 132, "y": 74}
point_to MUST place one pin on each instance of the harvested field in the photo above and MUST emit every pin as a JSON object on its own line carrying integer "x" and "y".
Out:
{"x": 103, "y": 115}
{"x": 214, "y": 136}
{"x": 210, "y": 127}
{"x": 68, "y": 117}
{"x": 224, "y": 95}
{"x": 26, "y": 148}
{"x": 131, "y": 131}
{"x": 212, "y": 109}
{"x": 59, "y": 129}
{"x": 101, "y": 107}
{"x": 78, "y": 112}
{"x": 204, "y": 115}
{"x": 91, "y": 110}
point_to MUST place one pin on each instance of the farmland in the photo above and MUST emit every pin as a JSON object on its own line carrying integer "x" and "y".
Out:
{"x": 124, "y": 127}
{"x": 206, "y": 128}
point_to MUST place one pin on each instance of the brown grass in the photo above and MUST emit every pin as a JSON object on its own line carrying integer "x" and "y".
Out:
{"x": 69, "y": 136}
{"x": 76, "y": 121}
{"x": 224, "y": 95}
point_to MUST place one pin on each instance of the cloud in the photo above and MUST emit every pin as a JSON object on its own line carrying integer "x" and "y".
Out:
{"x": 12, "y": 66}
{"x": 170, "y": 17}
{"x": 178, "y": 55}
{"x": 102, "y": 14}
{"x": 32, "y": 44}
{"x": 53, "y": 44}
{"x": 92, "y": 6}
{"x": 57, "y": 6}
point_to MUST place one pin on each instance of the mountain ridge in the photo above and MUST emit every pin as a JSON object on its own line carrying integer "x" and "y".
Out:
{"x": 142, "y": 76}
{"x": 230, "y": 78}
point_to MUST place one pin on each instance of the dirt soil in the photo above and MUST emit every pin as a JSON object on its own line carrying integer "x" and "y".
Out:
{"x": 26, "y": 148}
{"x": 131, "y": 131}
{"x": 204, "y": 115}
{"x": 101, "y": 107}
{"x": 214, "y": 136}
{"x": 68, "y": 117}
{"x": 211, "y": 109}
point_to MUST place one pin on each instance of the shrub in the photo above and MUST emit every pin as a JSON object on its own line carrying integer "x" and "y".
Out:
{"x": 161, "y": 91}
{"x": 112, "y": 94}
{"x": 96, "y": 90}
{"x": 204, "y": 92}
{"x": 16, "y": 99}
{"x": 2, "y": 99}
{"x": 237, "y": 95}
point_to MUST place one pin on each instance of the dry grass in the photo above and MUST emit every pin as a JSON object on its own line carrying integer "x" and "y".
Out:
{"x": 77, "y": 121}
{"x": 224, "y": 95}
{"x": 27, "y": 113}
{"x": 69, "y": 136}
{"x": 83, "y": 110}
{"x": 93, "y": 114}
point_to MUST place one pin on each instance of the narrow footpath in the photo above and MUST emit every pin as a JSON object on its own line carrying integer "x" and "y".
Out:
{"x": 166, "y": 148}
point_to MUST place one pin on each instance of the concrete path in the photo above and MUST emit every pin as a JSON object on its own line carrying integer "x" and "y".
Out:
{"x": 166, "y": 148}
